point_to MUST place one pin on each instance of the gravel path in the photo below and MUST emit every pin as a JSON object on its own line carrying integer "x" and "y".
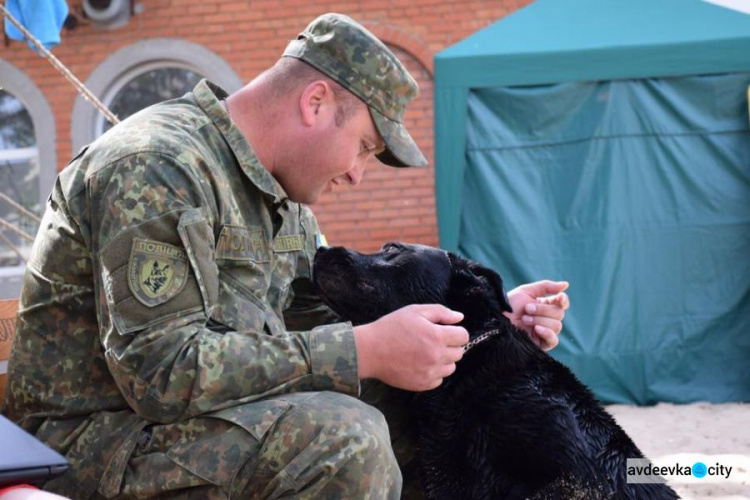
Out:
{"x": 716, "y": 433}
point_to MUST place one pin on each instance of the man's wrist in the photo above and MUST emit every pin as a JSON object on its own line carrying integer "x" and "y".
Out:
{"x": 333, "y": 358}
{"x": 363, "y": 340}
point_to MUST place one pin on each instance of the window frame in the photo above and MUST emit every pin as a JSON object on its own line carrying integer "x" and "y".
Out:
{"x": 128, "y": 62}
{"x": 16, "y": 82}
{"x": 130, "y": 75}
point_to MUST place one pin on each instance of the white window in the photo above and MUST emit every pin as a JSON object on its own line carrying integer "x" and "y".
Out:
{"x": 142, "y": 74}
{"x": 27, "y": 170}
{"x": 145, "y": 85}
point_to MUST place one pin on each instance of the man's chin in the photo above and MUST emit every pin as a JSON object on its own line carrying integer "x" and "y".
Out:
{"x": 306, "y": 198}
{"x": 314, "y": 197}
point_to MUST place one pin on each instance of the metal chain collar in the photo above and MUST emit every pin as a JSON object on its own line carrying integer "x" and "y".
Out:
{"x": 485, "y": 335}
{"x": 480, "y": 339}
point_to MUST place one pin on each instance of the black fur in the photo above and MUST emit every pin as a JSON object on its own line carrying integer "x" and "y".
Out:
{"x": 511, "y": 422}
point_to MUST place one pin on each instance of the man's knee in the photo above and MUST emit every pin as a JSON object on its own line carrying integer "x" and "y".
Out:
{"x": 328, "y": 443}
{"x": 348, "y": 424}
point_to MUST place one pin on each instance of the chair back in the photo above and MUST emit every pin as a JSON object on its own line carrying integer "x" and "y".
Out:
{"x": 8, "y": 315}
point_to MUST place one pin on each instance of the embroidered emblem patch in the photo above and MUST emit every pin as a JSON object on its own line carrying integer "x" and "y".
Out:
{"x": 156, "y": 272}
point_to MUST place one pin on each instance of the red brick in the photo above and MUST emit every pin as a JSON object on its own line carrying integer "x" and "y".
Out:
{"x": 250, "y": 35}
{"x": 194, "y": 11}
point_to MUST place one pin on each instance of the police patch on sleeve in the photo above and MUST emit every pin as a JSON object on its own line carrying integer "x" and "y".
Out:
{"x": 243, "y": 243}
{"x": 156, "y": 272}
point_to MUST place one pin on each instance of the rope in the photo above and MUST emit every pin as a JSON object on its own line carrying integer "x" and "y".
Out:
{"x": 7, "y": 225}
{"x": 86, "y": 93}
{"x": 20, "y": 209}
{"x": 10, "y": 244}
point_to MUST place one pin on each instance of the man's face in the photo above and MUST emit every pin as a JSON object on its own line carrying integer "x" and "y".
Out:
{"x": 335, "y": 155}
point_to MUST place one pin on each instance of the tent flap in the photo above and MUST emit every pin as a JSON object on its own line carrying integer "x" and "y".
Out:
{"x": 554, "y": 41}
{"x": 638, "y": 193}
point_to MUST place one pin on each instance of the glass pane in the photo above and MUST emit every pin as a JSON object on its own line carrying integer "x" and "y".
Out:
{"x": 148, "y": 88}
{"x": 16, "y": 128}
{"x": 19, "y": 180}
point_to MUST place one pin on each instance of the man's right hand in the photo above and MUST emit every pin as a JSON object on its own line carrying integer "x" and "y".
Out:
{"x": 413, "y": 348}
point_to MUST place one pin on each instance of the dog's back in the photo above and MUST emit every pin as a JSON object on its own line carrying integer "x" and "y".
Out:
{"x": 511, "y": 422}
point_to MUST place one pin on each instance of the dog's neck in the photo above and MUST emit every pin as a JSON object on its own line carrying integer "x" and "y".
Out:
{"x": 482, "y": 338}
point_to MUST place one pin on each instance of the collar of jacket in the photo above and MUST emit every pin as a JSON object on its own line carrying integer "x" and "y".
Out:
{"x": 209, "y": 96}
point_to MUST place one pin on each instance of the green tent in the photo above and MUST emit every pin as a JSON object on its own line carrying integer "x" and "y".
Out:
{"x": 607, "y": 142}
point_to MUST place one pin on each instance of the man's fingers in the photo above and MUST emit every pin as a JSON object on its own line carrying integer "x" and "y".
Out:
{"x": 451, "y": 336}
{"x": 560, "y": 300}
{"x": 556, "y": 286}
{"x": 447, "y": 370}
{"x": 455, "y": 336}
{"x": 453, "y": 354}
{"x": 546, "y": 287}
{"x": 555, "y": 325}
{"x": 540, "y": 310}
{"x": 547, "y": 339}
{"x": 439, "y": 314}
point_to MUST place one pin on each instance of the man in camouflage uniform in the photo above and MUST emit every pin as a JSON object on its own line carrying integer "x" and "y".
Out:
{"x": 168, "y": 341}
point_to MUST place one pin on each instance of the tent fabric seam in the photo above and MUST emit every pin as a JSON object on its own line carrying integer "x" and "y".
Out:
{"x": 605, "y": 137}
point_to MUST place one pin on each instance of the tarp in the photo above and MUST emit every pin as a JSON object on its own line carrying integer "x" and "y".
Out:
{"x": 563, "y": 150}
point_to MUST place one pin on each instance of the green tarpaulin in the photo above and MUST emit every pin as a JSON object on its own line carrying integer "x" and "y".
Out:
{"x": 608, "y": 143}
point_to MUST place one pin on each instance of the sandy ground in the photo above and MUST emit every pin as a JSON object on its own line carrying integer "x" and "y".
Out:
{"x": 711, "y": 433}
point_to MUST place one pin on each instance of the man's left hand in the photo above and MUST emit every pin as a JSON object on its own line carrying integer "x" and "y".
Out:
{"x": 539, "y": 309}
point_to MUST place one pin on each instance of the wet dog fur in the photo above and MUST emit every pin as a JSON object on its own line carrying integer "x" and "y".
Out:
{"x": 511, "y": 422}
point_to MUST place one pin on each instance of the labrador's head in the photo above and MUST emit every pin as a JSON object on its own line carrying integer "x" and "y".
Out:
{"x": 364, "y": 287}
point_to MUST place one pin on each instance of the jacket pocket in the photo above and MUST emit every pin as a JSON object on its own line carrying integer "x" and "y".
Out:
{"x": 225, "y": 440}
{"x": 151, "y": 274}
{"x": 240, "y": 307}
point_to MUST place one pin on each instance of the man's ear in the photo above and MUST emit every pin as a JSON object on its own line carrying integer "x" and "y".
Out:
{"x": 312, "y": 101}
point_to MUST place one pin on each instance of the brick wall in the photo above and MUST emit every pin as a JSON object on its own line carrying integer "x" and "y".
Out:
{"x": 391, "y": 204}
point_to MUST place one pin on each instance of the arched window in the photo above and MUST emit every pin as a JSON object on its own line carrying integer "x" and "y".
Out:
{"x": 142, "y": 74}
{"x": 19, "y": 189}
{"x": 27, "y": 171}
{"x": 146, "y": 85}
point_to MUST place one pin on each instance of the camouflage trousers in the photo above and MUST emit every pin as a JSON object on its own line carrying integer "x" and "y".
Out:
{"x": 324, "y": 445}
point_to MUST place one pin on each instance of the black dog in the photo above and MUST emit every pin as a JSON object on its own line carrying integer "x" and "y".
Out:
{"x": 511, "y": 422}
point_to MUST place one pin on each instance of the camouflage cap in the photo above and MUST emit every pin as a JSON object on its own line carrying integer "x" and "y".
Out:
{"x": 346, "y": 52}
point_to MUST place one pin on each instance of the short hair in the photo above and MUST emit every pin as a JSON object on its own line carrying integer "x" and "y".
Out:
{"x": 290, "y": 75}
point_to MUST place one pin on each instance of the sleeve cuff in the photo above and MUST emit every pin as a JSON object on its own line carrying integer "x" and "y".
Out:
{"x": 333, "y": 355}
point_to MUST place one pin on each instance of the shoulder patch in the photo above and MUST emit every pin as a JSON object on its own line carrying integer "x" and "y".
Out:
{"x": 156, "y": 272}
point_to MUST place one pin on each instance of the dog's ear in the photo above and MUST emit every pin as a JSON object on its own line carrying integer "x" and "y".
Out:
{"x": 469, "y": 273}
{"x": 496, "y": 282}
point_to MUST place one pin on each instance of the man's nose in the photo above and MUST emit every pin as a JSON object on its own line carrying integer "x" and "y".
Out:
{"x": 355, "y": 175}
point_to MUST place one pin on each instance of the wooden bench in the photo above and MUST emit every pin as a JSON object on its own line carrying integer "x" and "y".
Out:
{"x": 8, "y": 312}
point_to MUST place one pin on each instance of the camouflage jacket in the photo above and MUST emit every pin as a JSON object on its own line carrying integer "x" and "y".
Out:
{"x": 157, "y": 290}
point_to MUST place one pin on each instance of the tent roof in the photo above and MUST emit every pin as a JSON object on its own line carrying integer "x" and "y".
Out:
{"x": 552, "y": 41}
